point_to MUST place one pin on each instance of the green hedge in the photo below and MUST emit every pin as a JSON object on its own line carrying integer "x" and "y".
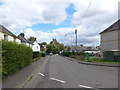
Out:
{"x": 66, "y": 54}
{"x": 14, "y": 57}
{"x": 43, "y": 54}
{"x": 37, "y": 55}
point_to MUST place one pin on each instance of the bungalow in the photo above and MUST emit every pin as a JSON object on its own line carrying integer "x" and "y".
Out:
{"x": 81, "y": 48}
{"x": 5, "y": 34}
{"x": 24, "y": 40}
{"x": 110, "y": 40}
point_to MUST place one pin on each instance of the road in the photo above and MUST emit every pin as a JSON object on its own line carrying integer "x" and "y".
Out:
{"x": 59, "y": 72}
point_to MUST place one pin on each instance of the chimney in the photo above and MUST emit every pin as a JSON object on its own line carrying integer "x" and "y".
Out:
{"x": 22, "y": 34}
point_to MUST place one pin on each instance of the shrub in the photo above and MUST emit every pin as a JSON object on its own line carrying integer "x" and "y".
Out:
{"x": 43, "y": 54}
{"x": 66, "y": 54}
{"x": 14, "y": 57}
{"x": 37, "y": 54}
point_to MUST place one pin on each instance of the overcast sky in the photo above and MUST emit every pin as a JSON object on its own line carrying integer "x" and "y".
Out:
{"x": 50, "y": 19}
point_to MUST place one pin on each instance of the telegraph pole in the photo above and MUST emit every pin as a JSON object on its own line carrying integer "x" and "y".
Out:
{"x": 76, "y": 42}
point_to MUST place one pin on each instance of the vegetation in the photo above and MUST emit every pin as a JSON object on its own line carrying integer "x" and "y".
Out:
{"x": 14, "y": 57}
{"x": 100, "y": 60}
{"x": 32, "y": 38}
{"x": 86, "y": 57}
{"x": 42, "y": 46}
{"x": 37, "y": 55}
{"x": 54, "y": 47}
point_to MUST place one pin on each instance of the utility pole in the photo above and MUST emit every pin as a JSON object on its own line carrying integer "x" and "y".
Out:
{"x": 76, "y": 42}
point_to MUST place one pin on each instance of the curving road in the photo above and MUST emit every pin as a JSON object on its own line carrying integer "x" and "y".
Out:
{"x": 59, "y": 72}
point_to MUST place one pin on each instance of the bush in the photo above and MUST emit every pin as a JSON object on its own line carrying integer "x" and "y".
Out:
{"x": 14, "y": 57}
{"x": 43, "y": 54}
{"x": 37, "y": 54}
{"x": 66, "y": 54}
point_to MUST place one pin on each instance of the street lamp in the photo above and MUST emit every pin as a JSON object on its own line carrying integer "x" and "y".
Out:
{"x": 70, "y": 38}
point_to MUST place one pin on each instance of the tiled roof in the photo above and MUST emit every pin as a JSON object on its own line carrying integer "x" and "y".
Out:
{"x": 6, "y": 31}
{"x": 113, "y": 27}
{"x": 24, "y": 40}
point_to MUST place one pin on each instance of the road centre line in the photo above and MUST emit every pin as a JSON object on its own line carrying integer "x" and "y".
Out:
{"x": 58, "y": 80}
{"x": 84, "y": 86}
{"x": 41, "y": 74}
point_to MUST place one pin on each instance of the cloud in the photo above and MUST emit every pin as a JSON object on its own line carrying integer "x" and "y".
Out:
{"x": 63, "y": 35}
{"x": 40, "y": 35}
{"x": 21, "y": 15}
{"x": 68, "y": 37}
{"x": 25, "y": 13}
{"x": 100, "y": 11}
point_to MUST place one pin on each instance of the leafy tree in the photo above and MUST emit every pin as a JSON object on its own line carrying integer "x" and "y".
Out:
{"x": 55, "y": 47}
{"x": 32, "y": 38}
{"x": 42, "y": 46}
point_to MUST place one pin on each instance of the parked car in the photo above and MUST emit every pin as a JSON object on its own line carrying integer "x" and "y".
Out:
{"x": 51, "y": 54}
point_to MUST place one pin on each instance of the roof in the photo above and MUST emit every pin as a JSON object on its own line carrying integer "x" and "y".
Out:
{"x": 6, "y": 31}
{"x": 82, "y": 48}
{"x": 115, "y": 26}
{"x": 24, "y": 40}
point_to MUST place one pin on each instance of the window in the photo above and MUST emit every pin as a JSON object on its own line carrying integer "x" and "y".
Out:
{"x": 5, "y": 37}
{"x": 14, "y": 39}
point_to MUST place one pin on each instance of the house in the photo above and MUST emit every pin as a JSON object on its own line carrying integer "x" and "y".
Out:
{"x": 110, "y": 40}
{"x": 5, "y": 34}
{"x": 24, "y": 40}
{"x": 35, "y": 46}
{"x": 81, "y": 48}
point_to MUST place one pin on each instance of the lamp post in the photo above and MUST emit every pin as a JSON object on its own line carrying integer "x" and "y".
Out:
{"x": 70, "y": 38}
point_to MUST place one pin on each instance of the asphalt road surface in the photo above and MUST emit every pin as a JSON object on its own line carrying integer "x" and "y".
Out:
{"x": 58, "y": 72}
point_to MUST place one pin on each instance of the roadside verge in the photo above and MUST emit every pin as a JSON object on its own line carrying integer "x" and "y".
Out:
{"x": 92, "y": 63}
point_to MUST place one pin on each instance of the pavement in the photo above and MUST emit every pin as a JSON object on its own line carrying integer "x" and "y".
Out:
{"x": 18, "y": 78}
{"x": 59, "y": 72}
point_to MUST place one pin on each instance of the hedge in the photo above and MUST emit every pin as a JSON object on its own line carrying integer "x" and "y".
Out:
{"x": 37, "y": 55}
{"x": 14, "y": 57}
{"x": 43, "y": 54}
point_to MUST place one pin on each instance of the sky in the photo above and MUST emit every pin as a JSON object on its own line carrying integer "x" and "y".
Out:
{"x": 49, "y": 19}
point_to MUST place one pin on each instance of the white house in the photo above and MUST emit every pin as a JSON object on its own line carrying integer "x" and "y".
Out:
{"x": 110, "y": 39}
{"x": 35, "y": 46}
{"x": 5, "y": 34}
{"x": 24, "y": 40}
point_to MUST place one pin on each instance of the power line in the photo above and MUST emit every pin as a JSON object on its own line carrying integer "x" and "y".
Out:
{"x": 86, "y": 12}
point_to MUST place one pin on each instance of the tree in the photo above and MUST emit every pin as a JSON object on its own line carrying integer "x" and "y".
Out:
{"x": 32, "y": 38}
{"x": 42, "y": 46}
{"x": 55, "y": 47}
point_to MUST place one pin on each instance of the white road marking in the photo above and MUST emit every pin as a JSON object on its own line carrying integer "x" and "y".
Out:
{"x": 41, "y": 74}
{"x": 84, "y": 86}
{"x": 58, "y": 80}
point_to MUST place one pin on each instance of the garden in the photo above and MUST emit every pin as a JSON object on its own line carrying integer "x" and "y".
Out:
{"x": 81, "y": 56}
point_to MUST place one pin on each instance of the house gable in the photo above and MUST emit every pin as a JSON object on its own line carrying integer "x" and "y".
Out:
{"x": 115, "y": 26}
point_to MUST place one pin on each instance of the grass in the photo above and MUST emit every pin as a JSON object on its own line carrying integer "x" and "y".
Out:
{"x": 93, "y": 59}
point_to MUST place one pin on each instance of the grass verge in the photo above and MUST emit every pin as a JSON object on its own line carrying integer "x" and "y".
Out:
{"x": 92, "y": 59}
